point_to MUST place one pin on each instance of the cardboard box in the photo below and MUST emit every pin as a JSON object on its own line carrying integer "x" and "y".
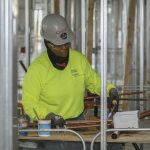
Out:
{"x": 126, "y": 119}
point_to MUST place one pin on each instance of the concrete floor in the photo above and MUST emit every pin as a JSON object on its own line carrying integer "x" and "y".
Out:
{"x": 129, "y": 146}
{"x": 59, "y": 145}
{"x": 45, "y": 145}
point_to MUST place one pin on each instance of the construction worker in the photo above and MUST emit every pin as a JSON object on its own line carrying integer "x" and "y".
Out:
{"x": 56, "y": 81}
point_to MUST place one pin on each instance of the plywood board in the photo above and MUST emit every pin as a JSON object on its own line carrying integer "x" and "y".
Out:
{"x": 124, "y": 137}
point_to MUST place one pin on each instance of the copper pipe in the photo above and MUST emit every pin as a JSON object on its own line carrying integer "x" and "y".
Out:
{"x": 85, "y": 121}
{"x": 88, "y": 123}
{"x": 131, "y": 93}
{"x": 144, "y": 114}
{"x": 91, "y": 103}
{"x": 77, "y": 124}
{"x": 82, "y": 121}
{"x": 34, "y": 124}
{"x": 21, "y": 107}
{"x": 148, "y": 81}
{"x": 91, "y": 97}
{"x": 84, "y": 126}
{"x": 115, "y": 135}
{"x": 98, "y": 97}
{"x": 133, "y": 99}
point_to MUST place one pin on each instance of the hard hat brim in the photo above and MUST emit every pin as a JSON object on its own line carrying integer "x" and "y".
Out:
{"x": 58, "y": 40}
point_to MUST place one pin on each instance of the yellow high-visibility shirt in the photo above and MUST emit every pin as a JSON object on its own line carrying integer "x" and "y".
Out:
{"x": 47, "y": 89}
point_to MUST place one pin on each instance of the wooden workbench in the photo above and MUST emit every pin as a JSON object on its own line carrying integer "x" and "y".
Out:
{"x": 126, "y": 137}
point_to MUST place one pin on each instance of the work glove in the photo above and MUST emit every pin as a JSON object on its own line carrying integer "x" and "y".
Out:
{"x": 114, "y": 98}
{"x": 56, "y": 120}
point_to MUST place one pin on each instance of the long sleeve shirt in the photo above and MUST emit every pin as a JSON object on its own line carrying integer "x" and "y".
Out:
{"x": 47, "y": 89}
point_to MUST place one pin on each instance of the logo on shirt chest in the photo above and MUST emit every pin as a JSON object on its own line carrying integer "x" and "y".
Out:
{"x": 74, "y": 72}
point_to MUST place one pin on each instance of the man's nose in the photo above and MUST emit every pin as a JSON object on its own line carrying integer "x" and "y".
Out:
{"x": 63, "y": 46}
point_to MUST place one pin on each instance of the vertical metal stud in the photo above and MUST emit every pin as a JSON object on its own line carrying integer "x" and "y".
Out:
{"x": 8, "y": 77}
{"x": 103, "y": 38}
{"x": 141, "y": 4}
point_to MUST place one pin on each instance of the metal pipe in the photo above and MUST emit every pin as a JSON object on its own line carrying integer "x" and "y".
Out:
{"x": 141, "y": 4}
{"x": 83, "y": 20}
{"x": 130, "y": 93}
{"x": 83, "y": 121}
{"x": 144, "y": 114}
{"x": 148, "y": 81}
{"x": 56, "y": 130}
{"x": 121, "y": 129}
{"x": 62, "y": 7}
{"x": 8, "y": 74}
{"x": 103, "y": 67}
{"x": 147, "y": 38}
{"x": 115, "y": 135}
{"x": 84, "y": 126}
{"x": 27, "y": 32}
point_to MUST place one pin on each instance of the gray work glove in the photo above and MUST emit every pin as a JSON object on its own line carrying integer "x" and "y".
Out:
{"x": 114, "y": 94}
{"x": 56, "y": 120}
{"x": 114, "y": 98}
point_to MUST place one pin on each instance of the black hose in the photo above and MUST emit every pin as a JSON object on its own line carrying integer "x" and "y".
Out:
{"x": 136, "y": 146}
{"x": 23, "y": 66}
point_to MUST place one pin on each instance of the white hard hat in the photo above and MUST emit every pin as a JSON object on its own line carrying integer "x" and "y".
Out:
{"x": 55, "y": 29}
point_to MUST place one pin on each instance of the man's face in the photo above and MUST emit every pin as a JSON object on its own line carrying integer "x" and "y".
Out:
{"x": 59, "y": 50}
